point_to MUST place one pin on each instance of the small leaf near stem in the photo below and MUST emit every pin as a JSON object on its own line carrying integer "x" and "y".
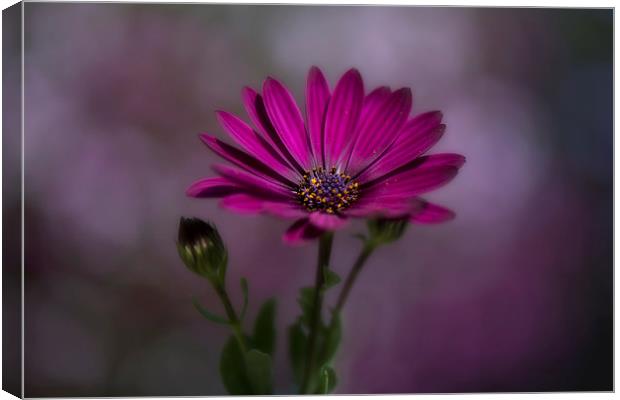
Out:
{"x": 209, "y": 315}
{"x": 331, "y": 340}
{"x": 298, "y": 344}
{"x": 264, "y": 337}
{"x": 331, "y": 278}
{"x": 233, "y": 369}
{"x": 259, "y": 372}
{"x": 327, "y": 380}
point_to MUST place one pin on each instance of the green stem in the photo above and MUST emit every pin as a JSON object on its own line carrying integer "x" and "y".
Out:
{"x": 325, "y": 249}
{"x": 235, "y": 323}
{"x": 369, "y": 247}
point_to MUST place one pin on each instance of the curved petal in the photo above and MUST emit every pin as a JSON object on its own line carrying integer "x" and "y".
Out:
{"x": 373, "y": 101}
{"x": 255, "y": 107}
{"x": 432, "y": 214}
{"x": 242, "y": 204}
{"x": 284, "y": 209}
{"x": 421, "y": 164}
{"x": 249, "y": 204}
{"x": 317, "y": 98}
{"x": 373, "y": 206}
{"x": 328, "y": 222}
{"x": 212, "y": 187}
{"x": 301, "y": 231}
{"x": 415, "y": 138}
{"x": 286, "y": 118}
{"x": 342, "y": 115}
{"x": 243, "y": 160}
{"x": 423, "y": 175}
{"x": 253, "y": 183}
{"x": 415, "y": 182}
{"x": 371, "y": 104}
{"x": 378, "y": 128}
{"x": 253, "y": 143}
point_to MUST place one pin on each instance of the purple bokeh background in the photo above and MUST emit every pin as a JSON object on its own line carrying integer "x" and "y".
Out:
{"x": 513, "y": 295}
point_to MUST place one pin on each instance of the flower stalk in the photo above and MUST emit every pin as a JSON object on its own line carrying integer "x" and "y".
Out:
{"x": 367, "y": 250}
{"x": 233, "y": 319}
{"x": 325, "y": 249}
{"x": 381, "y": 231}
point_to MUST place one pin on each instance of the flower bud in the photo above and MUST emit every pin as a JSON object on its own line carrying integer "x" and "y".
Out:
{"x": 386, "y": 230}
{"x": 202, "y": 250}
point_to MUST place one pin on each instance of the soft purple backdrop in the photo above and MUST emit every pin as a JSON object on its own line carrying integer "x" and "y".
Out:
{"x": 513, "y": 295}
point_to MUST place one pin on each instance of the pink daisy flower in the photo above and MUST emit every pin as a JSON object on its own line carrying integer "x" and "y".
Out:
{"x": 354, "y": 156}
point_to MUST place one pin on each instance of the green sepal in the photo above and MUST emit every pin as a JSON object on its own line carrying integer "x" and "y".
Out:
{"x": 298, "y": 343}
{"x": 244, "y": 289}
{"x": 264, "y": 337}
{"x": 327, "y": 380}
{"x": 259, "y": 372}
{"x": 385, "y": 230}
{"x": 233, "y": 369}
{"x": 208, "y": 314}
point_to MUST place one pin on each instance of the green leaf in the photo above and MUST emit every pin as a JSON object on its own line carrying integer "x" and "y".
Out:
{"x": 327, "y": 380}
{"x": 259, "y": 371}
{"x": 331, "y": 278}
{"x": 264, "y": 337}
{"x": 331, "y": 340}
{"x": 244, "y": 289}
{"x": 233, "y": 369}
{"x": 298, "y": 343}
{"x": 209, "y": 315}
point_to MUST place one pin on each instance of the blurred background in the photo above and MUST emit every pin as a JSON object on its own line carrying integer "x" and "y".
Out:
{"x": 515, "y": 294}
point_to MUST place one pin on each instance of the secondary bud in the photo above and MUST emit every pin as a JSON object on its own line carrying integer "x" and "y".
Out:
{"x": 202, "y": 250}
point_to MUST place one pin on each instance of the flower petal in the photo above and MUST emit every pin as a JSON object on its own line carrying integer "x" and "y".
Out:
{"x": 253, "y": 143}
{"x": 423, "y": 175}
{"x": 250, "y": 204}
{"x": 423, "y": 163}
{"x": 243, "y": 160}
{"x": 242, "y": 203}
{"x": 373, "y": 206}
{"x": 379, "y": 127}
{"x": 253, "y": 183}
{"x": 415, "y": 182}
{"x": 342, "y": 115}
{"x": 288, "y": 121}
{"x": 374, "y": 100}
{"x": 317, "y": 98}
{"x": 328, "y": 222}
{"x": 284, "y": 209}
{"x": 255, "y": 107}
{"x": 301, "y": 231}
{"x": 432, "y": 214}
{"x": 415, "y": 138}
{"x": 212, "y": 187}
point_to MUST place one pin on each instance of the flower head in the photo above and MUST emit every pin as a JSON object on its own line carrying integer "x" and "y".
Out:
{"x": 355, "y": 155}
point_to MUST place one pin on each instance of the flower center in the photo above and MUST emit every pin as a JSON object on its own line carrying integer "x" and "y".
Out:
{"x": 327, "y": 190}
